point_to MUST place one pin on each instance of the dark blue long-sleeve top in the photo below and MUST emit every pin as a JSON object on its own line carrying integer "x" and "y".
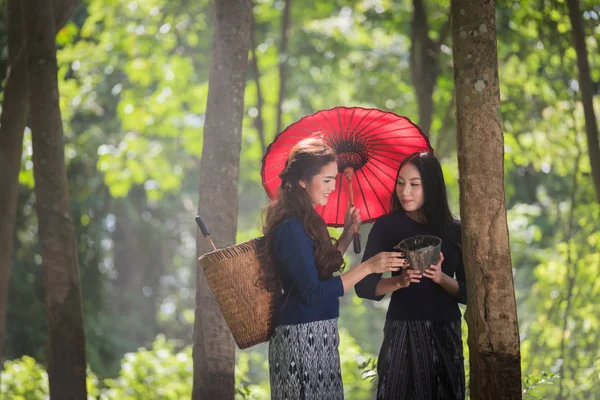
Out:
{"x": 425, "y": 300}
{"x": 310, "y": 299}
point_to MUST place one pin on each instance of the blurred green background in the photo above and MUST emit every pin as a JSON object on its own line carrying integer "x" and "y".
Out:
{"x": 133, "y": 84}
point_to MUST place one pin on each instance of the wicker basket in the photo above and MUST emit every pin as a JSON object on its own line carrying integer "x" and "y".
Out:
{"x": 246, "y": 291}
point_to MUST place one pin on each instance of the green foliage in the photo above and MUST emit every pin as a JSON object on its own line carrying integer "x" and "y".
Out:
{"x": 140, "y": 64}
{"x": 24, "y": 379}
{"x": 158, "y": 373}
{"x": 248, "y": 386}
{"x": 134, "y": 82}
{"x": 531, "y": 383}
{"x": 163, "y": 373}
{"x": 352, "y": 358}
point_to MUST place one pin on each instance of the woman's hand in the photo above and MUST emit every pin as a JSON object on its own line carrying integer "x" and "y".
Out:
{"x": 434, "y": 272}
{"x": 386, "y": 261}
{"x": 352, "y": 215}
{"x": 407, "y": 277}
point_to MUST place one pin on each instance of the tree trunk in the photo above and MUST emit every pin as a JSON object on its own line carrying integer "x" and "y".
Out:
{"x": 138, "y": 260}
{"x": 214, "y": 352}
{"x": 258, "y": 123}
{"x": 424, "y": 63}
{"x": 571, "y": 274}
{"x": 63, "y": 9}
{"x": 491, "y": 310}
{"x": 66, "y": 352}
{"x": 283, "y": 61}
{"x": 586, "y": 89}
{"x": 15, "y": 108}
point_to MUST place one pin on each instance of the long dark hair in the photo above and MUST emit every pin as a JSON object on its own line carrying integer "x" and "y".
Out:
{"x": 435, "y": 209}
{"x": 306, "y": 160}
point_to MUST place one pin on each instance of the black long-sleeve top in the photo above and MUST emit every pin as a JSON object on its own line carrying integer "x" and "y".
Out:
{"x": 425, "y": 300}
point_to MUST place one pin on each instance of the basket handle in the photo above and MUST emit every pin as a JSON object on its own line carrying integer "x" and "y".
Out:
{"x": 205, "y": 231}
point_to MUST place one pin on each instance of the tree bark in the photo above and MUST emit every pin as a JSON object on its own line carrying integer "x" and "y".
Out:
{"x": 15, "y": 108}
{"x": 66, "y": 352}
{"x": 491, "y": 309}
{"x": 214, "y": 351}
{"x": 259, "y": 123}
{"x": 424, "y": 63}
{"x": 63, "y": 9}
{"x": 283, "y": 61}
{"x": 571, "y": 274}
{"x": 586, "y": 88}
{"x": 445, "y": 140}
{"x": 139, "y": 262}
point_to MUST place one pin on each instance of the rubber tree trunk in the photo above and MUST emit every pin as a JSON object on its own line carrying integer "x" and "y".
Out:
{"x": 15, "y": 108}
{"x": 66, "y": 350}
{"x": 587, "y": 94}
{"x": 491, "y": 310}
{"x": 214, "y": 351}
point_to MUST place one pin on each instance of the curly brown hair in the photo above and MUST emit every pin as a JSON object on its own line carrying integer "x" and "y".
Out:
{"x": 306, "y": 160}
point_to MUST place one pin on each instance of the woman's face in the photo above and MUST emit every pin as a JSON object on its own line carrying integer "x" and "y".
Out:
{"x": 321, "y": 185}
{"x": 409, "y": 189}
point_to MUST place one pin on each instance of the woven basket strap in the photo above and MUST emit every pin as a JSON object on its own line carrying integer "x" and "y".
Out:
{"x": 284, "y": 303}
{"x": 287, "y": 298}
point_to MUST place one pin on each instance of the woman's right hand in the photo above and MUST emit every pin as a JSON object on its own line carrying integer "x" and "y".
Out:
{"x": 386, "y": 261}
{"x": 407, "y": 277}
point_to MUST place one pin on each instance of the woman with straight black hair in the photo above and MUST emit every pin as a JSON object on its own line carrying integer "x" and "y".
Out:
{"x": 421, "y": 356}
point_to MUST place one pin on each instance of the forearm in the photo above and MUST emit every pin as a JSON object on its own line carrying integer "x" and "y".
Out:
{"x": 450, "y": 285}
{"x": 344, "y": 241}
{"x": 355, "y": 275}
{"x": 386, "y": 285}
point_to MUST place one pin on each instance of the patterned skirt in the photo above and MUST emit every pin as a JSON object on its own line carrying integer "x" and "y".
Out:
{"x": 421, "y": 360}
{"x": 304, "y": 362}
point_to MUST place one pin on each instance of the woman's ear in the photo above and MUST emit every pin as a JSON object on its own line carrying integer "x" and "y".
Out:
{"x": 303, "y": 183}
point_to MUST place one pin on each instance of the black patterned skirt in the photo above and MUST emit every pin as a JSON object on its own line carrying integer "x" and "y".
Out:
{"x": 421, "y": 360}
{"x": 304, "y": 362}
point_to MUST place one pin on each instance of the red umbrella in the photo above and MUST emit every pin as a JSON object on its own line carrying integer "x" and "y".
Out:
{"x": 370, "y": 145}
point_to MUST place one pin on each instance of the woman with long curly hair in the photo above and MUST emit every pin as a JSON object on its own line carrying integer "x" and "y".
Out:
{"x": 304, "y": 361}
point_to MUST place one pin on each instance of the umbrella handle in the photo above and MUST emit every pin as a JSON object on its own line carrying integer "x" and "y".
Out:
{"x": 349, "y": 173}
{"x": 205, "y": 231}
{"x": 356, "y": 241}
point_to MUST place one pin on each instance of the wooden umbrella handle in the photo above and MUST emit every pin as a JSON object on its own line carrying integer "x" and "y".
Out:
{"x": 349, "y": 173}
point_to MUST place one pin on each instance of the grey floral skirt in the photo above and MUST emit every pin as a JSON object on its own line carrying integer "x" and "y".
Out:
{"x": 304, "y": 362}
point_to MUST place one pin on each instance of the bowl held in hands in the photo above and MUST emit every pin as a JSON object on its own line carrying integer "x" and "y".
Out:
{"x": 421, "y": 251}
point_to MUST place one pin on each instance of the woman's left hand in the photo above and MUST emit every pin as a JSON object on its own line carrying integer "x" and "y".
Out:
{"x": 352, "y": 214}
{"x": 434, "y": 272}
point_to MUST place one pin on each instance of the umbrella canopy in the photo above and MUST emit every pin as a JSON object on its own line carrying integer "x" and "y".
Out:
{"x": 370, "y": 145}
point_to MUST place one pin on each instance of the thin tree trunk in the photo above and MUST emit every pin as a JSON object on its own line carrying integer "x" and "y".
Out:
{"x": 259, "y": 123}
{"x": 586, "y": 90}
{"x": 283, "y": 61}
{"x": 66, "y": 352}
{"x": 214, "y": 351}
{"x": 491, "y": 310}
{"x": 424, "y": 62}
{"x": 445, "y": 140}
{"x": 138, "y": 261}
{"x": 63, "y": 9}
{"x": 15, "y": 108}
{"x": 571, "y": 274}
{"x": 423, "y": 65}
